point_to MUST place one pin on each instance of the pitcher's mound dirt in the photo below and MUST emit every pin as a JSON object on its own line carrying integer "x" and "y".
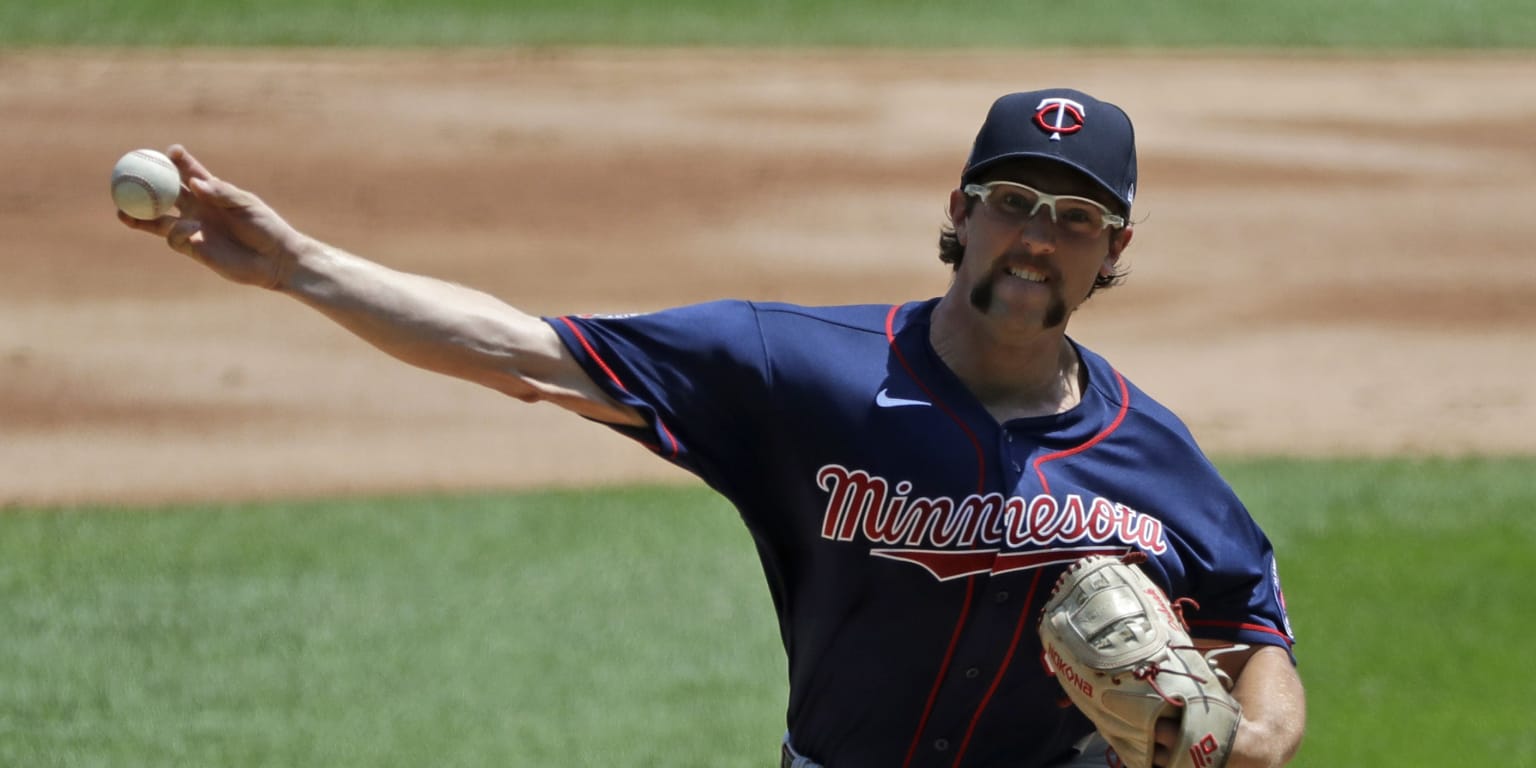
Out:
{"x": 1332, "y": 255}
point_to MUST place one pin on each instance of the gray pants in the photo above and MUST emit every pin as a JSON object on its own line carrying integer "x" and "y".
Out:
{"x": 1090, "y": 754}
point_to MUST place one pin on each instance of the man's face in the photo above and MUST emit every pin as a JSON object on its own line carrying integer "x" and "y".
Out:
{"x": 1019, "y": 264}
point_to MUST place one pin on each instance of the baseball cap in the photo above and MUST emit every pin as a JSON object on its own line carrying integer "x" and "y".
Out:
{"x": 1064, "y": 125}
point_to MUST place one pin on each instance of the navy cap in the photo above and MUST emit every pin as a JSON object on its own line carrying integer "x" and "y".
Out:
{"x": 1064, "y": 125}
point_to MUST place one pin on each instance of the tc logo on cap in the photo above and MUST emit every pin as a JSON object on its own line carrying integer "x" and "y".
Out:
{"x": 1057, "y": 116}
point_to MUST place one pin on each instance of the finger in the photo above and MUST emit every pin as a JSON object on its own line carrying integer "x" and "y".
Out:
{"x": 180, "y": 233}
{"x": 189, "y": 166}
{"x": 185, "y": 200}
{"x": 204, "y": 186}
{"x": 195, "y": 178}
{"x": 219, "y": 193}
{"x": 1166, "y": 735}
{"x": 161, "y": 226}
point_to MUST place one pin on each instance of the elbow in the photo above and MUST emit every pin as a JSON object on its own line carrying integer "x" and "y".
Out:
{"x": 527, "y": 390}
{"x": 1274, "y": 711}
{"x": 504, "y": 380}
{"x": 525, "y": 395}
{"x": 1273, "y": 737}
{"x": 517, "y": 388}
{"x": 1263, "y": 744}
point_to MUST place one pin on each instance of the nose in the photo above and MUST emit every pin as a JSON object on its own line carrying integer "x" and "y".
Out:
{"x": 1039, "y": 230}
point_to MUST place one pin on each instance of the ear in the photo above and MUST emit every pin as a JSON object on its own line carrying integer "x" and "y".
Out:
{"x": 957, "y": 217}
{"x": 1118, "y": 242}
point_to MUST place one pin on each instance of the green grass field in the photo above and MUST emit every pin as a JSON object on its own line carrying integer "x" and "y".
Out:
{"x": 1350, "y": 24}
{"x": 632, "y": 628}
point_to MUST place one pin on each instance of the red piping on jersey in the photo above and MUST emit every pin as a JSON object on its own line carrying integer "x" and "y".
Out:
{"x": 596, "y": 358}
{"x": 970, "y": 581}
{"x": 1125, "y": 405}
{"x": 1029, "y": 601}
{"x": 938, "y": 680}
{"x": 1018, "y": 631}
{"x": 981, "y": 457}
{"x": 1244, "y": 626}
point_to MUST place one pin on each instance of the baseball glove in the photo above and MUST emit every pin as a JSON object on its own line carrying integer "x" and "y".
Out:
{"x": 1122, "y": 652}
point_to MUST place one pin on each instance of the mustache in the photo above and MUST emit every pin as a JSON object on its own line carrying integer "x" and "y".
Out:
{"x": 981, "y": 294}
{"x": 1056, "y": 311}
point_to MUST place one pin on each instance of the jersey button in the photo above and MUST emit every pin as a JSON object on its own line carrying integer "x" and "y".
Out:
{"x": 972, "y": 673}
{"x": 940, "y": 744}
{"x": 1001, "y": 597}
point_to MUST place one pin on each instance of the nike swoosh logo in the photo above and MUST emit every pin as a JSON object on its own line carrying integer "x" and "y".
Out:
{"x": 886, "y": 401}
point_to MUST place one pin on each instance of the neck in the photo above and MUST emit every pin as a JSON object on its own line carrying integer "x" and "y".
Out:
{"x": 1014, "y": 373}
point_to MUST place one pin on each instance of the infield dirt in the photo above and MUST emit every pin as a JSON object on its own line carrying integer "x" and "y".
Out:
{"x": 1331, "y": 256}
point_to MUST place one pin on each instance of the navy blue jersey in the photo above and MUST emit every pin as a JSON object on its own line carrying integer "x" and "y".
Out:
{"x": 909, "y": 540}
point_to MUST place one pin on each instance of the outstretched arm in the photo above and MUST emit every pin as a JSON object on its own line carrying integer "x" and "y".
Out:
{"x": 429, "y": 323}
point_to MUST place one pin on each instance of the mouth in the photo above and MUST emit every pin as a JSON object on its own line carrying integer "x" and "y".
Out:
{"x": 1024, "y": 273}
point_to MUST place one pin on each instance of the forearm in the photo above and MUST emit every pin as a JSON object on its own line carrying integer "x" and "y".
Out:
{"x": 429, "y": 323}
{"x": 1274, "y": 711}
{"x": 423, "y": 321}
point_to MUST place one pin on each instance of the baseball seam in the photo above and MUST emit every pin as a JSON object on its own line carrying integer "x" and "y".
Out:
{"x": 157, "y": 159}
{"x": 149, "y": 189}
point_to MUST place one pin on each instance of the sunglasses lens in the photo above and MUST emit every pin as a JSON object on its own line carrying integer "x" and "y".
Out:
{"x": 1013, "y": 202}
{"x": 1081, "y": 217}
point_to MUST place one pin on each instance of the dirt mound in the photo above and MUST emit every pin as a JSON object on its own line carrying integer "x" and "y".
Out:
{"x": 1330, "y": 257}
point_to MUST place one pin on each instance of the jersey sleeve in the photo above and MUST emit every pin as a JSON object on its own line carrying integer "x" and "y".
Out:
{"x": 696, "y": 374}
{"x": 1215, "y": 553}
{"x": 1234, "y": 578}
{"x": 1221, "y": 558}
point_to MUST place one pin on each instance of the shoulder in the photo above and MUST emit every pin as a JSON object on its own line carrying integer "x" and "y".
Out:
{"x": 743, "y": 330}
{"x": 1136, "y": 404}
{"x": 861, "y": 318}
{"x": 1146, "y": 423}
{"x": 1183, "y": 483}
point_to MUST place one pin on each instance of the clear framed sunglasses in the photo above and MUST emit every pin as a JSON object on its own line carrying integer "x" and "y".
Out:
{"x": 1016, "y": 203}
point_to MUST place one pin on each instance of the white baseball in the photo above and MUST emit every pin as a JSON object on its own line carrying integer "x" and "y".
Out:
{"x": 145, "y": 184}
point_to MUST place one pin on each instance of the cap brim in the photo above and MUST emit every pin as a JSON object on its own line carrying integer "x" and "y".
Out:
{"x": 980, "y": 168}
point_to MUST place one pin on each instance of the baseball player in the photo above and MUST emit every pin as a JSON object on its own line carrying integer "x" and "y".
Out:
{"x": 915, "y": 476}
